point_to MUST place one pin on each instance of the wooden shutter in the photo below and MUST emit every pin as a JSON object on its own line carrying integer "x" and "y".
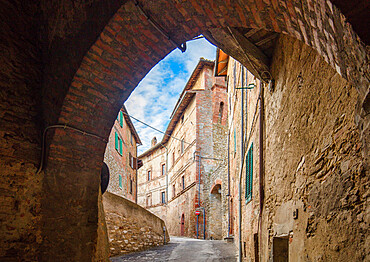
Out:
{"x": 120, "y": 180}
{"x": 121, "y": 118}
{"x": 120, "y": 146}
{"x": 116, "y": 141}
{"x": 249, "y": 174}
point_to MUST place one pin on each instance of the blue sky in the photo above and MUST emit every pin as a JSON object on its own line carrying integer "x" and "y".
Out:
{"x": 154, "y": 98}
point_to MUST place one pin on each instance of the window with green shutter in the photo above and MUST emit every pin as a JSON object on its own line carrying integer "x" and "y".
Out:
{"x": 120, "y": 180}
{"x": 121, "y": 118}
{"x": 234, "y": 140}
{"x": 249, "y": 174}
{"x": 120, "y": 146}
{"x": 116, "y": 141}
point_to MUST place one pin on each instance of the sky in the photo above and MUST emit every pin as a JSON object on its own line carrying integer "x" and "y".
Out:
{"x": 154, "y": 98}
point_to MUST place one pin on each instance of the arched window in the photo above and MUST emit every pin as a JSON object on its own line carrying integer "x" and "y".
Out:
{"x": 220, "y": 112}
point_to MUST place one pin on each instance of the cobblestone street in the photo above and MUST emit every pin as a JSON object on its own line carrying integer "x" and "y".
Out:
{"x": 185, "y": 249}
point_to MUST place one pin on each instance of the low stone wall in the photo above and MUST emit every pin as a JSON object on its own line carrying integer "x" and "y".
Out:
{"x": 131, "y": 228}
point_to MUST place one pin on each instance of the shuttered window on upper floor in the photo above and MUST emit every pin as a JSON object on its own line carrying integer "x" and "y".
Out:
{"x": 249, "y": 174}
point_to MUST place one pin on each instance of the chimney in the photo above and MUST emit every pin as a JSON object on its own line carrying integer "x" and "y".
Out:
{"x": 154, "y": 141}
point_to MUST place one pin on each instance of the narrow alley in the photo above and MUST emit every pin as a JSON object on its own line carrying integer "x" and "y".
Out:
{"x": 185, "y": 250}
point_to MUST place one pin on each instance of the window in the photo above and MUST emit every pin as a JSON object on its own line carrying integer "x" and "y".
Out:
{"x": 173, "y": 190}
{"x": 182, "y": 146}
{"x": 120, "y": 180}
{"x": 220, "y": 112}
{"x": 149, "y": 200}
{"x": 149, "y": 175}
{"x": 163, "y": 169}
{"x": 131, "y": 160}
{"x": 249, "y": 174}
{"x": 183, "y": 182}
{"x": 163, "y": 197}
{"x": 120, "y": 118}
{"x": 173, "y": 157}
{"x": 182, "y": 119}
{"x": 131, "y": 186}
{"x": 234, "y": 139}
{"x": 118, "y": 143}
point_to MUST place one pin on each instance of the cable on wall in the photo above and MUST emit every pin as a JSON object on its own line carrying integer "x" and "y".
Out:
{"x": 64, "y": 127}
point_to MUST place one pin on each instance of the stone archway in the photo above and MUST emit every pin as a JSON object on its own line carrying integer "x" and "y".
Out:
{"x": 85, "y": 68}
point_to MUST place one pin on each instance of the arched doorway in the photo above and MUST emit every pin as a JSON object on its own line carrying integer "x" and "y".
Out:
{"x": 88, "y": 60}
{"x": 215, "y": 213}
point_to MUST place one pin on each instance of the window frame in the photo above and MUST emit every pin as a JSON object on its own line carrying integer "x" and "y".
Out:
{"x": 249, "y": 175}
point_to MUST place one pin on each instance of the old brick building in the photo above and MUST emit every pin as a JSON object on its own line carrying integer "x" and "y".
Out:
{"x": 183, "y": 173}
{"x": 67, "y": 68}
{"x": 293, "y": 159}
{"x": 121, "y": 157}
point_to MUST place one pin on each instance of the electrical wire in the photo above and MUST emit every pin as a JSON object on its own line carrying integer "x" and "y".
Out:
{"x": 157, "y": 129}
{"x": 64, "y": 127}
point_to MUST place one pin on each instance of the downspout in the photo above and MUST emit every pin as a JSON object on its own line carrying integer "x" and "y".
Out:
{"x": 261, "y": 170}
{"x": 204, "y": 211}
{"x": 166, "y": 171}
{"x": 241, "y": 166}
{"x": 136, "y": 176}
{"x": 228, "y": 184}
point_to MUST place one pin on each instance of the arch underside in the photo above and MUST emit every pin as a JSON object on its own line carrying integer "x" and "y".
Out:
{"x": 90, "y": 66}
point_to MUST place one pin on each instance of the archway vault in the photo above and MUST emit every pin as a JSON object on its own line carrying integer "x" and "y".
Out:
{"x": 92, "y": 67}
{"x": 130, "y": 45}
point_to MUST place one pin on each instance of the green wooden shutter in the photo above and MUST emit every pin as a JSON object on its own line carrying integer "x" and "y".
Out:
{"x": 234, "y": 140}
{"x": 249, "y": 174}
{"x": 120, "y": 180}
{"x": 120, "y": 146}
{"x": 116, "y": 143}
{"x": 121, "y": 118}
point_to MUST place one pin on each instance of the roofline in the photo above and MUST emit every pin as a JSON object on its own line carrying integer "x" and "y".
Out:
{"x": 131, "y": 125}
{"x": 201, "y": 64}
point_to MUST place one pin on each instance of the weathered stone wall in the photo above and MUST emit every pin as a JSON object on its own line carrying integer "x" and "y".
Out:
{"x": 313, "y": 160}
{"x": 131, "y": 228}
{"x": 71, "y": 73}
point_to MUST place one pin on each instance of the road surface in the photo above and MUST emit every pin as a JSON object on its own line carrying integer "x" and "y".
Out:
{"x": 185, "y": 250}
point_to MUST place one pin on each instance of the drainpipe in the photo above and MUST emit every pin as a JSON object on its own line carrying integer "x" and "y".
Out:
{"x": 241, "y": 165}
{"x": 136, "y": 176}
{"x": 204, "y": 211}
{"x": 166, "y": 171}
{"x": 261, "y": 169}
{"x": 228, "y": 184}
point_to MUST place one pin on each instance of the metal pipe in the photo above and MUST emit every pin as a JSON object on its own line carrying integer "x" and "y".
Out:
{"x": 197, "y": 226}
{"x": 166, "y": 171}
{"x": 261, "y": 169}
{"x": 228, "y": 184}
{"x": 241, "y": 166}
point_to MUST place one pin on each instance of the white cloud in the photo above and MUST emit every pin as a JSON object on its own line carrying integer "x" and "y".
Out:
{"x": 154, "y": 98}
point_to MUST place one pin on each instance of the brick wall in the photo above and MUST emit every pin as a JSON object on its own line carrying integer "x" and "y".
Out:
{"x": 119, "y": 164}
{"x": 78, "y": 70}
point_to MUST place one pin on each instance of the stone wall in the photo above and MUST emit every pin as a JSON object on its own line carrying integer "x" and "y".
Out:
{"x": 313, "y": 163}
{"x": 313, "y": 160}
{"x": 131, "y": 228}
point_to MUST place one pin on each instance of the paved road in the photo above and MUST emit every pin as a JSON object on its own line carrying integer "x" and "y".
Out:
{"x": 185, "y": 250}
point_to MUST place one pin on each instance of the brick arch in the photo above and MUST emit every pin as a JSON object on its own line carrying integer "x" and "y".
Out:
{"x": 128, "y": 47}
{"x": 215, "y": 186}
